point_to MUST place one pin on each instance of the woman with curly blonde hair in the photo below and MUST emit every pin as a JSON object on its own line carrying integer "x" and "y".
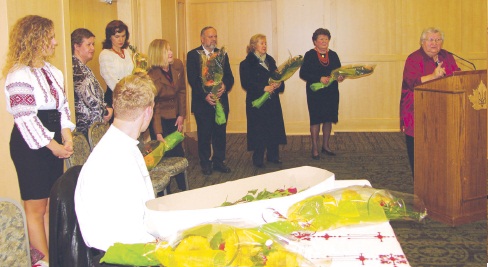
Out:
{"x": 41, "y": 137}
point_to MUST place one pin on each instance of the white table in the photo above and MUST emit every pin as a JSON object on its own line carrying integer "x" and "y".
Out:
{"x": 361, "y": 245}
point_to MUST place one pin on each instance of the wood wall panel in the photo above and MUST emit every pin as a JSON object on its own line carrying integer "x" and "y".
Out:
{"x": 150, "y": 25}
{"x": 381, "y": 32}
{"x": 93, "y": 15}
{"x": 234, "y": 29}
{"x": 10, "y": 184}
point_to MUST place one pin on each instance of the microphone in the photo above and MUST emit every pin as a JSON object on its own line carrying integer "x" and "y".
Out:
{"x": 463, "y": 59}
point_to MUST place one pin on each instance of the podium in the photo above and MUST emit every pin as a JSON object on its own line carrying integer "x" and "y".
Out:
{"x": 451, "y": 147}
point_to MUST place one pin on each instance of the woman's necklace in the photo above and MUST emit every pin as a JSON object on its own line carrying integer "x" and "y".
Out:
{"x": 121, "y": 54}
{"x": 323, "y": 58}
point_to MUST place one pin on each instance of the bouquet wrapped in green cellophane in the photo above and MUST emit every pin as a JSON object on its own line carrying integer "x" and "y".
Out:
{"x": 212, "y": 73}
{"x": 348, "y": 72}
{"x": 139, "y": 59}
{"x": 281, "y": 74}
{"x": 271, "y": 244}
{"x": 154, "y": 150}
{"x": 349, "y": 206}
{"x": 214, "y": 244}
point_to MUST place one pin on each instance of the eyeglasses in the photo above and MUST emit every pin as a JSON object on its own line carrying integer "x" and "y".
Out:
{"x": 432, "y": 40}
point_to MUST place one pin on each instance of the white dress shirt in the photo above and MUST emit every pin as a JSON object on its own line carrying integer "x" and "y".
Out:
{"x": 111, "y": 193}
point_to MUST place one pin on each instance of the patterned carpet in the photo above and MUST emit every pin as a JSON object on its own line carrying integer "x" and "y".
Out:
{"x": 380, "y": 158}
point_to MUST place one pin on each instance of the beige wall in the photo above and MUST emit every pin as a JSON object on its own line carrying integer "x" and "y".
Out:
{"x": 8, "y": 179}
{"x": 381, "y": 32}
{"x": 93, "y": 15}
{"x": 11, "y": 10}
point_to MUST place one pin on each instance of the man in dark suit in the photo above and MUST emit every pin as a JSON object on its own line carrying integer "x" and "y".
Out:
{"x": 210, "y": 134}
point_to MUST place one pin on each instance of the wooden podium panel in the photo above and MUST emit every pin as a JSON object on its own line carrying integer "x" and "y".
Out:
{"x": 450, "y": 148}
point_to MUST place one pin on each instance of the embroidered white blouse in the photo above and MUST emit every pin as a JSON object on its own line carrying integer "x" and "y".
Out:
{"x": 27, "y": 90}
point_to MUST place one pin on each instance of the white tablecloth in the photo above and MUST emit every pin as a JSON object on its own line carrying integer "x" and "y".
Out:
{"x": 362, "y": 245}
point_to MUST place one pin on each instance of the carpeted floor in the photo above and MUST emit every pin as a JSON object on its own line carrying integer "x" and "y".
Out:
{"x": 380, "y": 158}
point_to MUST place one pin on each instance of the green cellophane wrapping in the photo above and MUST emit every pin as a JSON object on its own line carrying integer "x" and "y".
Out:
{"x": 212, "y": 68}
{"x": 349, "y": 206}
{"x": 237, "y": 244}
{"x": 139, "y": 60}
{"x": 154, "y": 150}
{"x": 131, "y": 254}
{"x": 281, "y": 74}
{"x": 353, "y": 71}
{"x": 216, "y": 245}
{"x": 257, "y": 103}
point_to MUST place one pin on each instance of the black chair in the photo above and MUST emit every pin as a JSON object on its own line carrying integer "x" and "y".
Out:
{"x": 66, "y": 245}
{"x": 81, "y": 150}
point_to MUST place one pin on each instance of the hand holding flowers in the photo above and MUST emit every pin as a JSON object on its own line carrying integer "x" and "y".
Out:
{"x": 212, "y": 67}
{"x": 281, "y": 74}
{"x": 154, "y": 151}
{"x": 345, "y": 72}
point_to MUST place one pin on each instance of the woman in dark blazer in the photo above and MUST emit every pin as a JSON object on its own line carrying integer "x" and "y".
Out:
{"x": 265, "y": 126}
{"x": 168, "y": 76}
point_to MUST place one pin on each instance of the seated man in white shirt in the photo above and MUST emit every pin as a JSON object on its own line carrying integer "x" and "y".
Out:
{"x": 114, "y": 184}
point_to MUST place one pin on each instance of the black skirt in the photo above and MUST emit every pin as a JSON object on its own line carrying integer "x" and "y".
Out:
{"x": 37, "y": 169}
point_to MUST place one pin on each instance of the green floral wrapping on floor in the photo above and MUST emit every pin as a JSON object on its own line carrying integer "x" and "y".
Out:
{"x": 281, "y": 74}
{"x": 212, "y": 73}
{"x": 154, "y": 150}
{"x": 348, "y": 72}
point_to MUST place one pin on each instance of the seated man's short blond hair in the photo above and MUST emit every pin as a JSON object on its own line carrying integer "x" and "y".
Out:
{"x": 132, "y": 95}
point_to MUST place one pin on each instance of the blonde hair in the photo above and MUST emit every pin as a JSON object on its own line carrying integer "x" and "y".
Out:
{"x": 251, "y": 47}
{"x": 157, "y": 53}
{"x": 28, "y": 38}
{"x": 132, "y": 95}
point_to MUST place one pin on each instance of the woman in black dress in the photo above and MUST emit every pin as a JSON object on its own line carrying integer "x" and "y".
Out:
{"x": 265, "y": 125}
{"x": 323, "y": 105}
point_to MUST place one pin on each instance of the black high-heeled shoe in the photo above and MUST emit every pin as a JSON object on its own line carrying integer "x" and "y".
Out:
{"x": 328, "y": 152}
{"x": 315, "y": 157}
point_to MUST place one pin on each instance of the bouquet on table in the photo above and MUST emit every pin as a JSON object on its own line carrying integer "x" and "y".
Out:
{"x": 212, "y": 73}
{"x": 281, "y": 74}
{"x": 348, "y": 206}
{"x": 154, "y": 150}
{"x": 240, "y": 243}
{"x": 348, "y": 72}
{"x": 212, "y": 244}
{"x": 255, "y": 195}
{"x": 139, "y": 59}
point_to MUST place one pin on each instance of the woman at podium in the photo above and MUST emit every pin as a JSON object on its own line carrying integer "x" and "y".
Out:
{"x": 427, "y": 63}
